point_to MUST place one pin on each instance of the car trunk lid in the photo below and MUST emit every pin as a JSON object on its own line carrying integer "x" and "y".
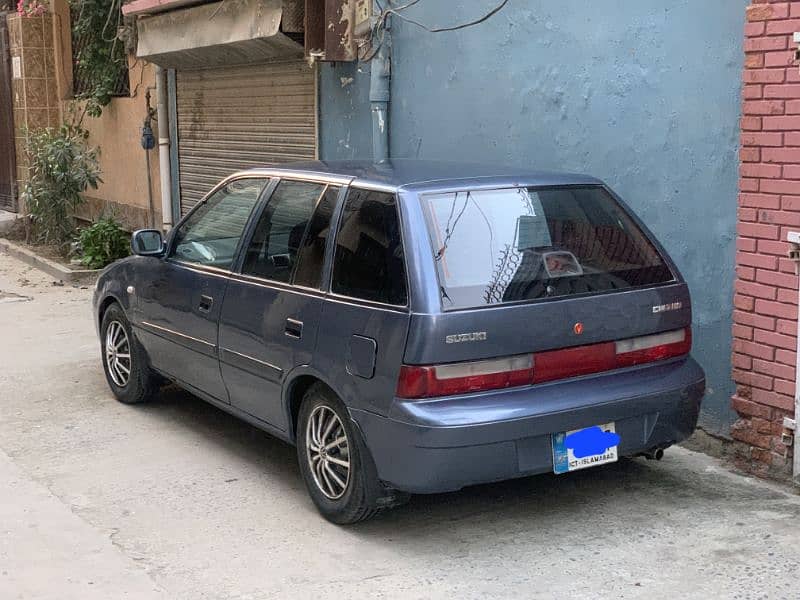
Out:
{"x": 514, "y": 329}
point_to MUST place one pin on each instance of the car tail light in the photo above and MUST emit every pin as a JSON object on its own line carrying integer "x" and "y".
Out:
{"x": 461, "y": 378}
{"x": 572, "y": 362}
{"x": 651, "y": 348}
{"x": 596, "y": 358}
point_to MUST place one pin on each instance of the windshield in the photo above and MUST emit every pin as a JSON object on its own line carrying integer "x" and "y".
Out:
{"x": 512, "y": 245}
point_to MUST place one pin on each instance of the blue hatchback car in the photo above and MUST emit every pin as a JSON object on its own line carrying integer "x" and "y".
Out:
{"x": 414, "y": 327}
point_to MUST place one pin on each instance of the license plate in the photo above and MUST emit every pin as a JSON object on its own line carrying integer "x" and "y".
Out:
{"x": 582, "y": 448}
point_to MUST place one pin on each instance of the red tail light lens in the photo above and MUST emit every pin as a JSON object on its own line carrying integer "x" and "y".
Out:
{"x": 462, "y": 378}
{"x": 652, "y": 348}
{"x": 596, "y": 358}
{"x": 573, "y": 362}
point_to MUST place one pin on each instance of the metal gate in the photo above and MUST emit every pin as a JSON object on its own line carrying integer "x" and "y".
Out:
{"x": 8, "y": 170}
{"x": 235, "y": 118}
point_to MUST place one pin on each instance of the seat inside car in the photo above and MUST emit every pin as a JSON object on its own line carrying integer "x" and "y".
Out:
{"x": 262, "y": 259}
{"x": 371, "y": 249}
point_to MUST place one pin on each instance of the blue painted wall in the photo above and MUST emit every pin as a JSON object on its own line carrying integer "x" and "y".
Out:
{"x": 644, "y": 94}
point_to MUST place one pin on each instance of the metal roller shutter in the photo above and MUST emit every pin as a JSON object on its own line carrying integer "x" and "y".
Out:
{"x": 234, "y": 118}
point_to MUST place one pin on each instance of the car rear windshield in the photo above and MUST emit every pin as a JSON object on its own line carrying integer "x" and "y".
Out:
{"x": 516, "y": 245}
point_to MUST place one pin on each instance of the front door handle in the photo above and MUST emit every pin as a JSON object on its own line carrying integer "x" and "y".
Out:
{"x": 294, "y": 328}
{"x": 206, "y": 302}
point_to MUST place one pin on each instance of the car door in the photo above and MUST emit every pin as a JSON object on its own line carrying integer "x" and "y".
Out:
{"x": 365, "y": 318}
{"x": 179, "y": 297}
{"x": 272, "y": 306}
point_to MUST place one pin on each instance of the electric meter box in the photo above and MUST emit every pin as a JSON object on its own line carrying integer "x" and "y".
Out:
{"x": 363, "y": 13}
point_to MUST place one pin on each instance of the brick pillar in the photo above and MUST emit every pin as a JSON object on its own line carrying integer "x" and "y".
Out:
{"x": 765, "y": 301}
{"x": 33, "y": 85}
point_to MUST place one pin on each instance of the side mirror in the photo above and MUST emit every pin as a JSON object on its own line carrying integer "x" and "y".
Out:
{"x": 147, "y": 242}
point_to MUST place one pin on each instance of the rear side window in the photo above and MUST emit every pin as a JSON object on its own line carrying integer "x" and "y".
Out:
{"x": 499, "y": 246}
{"x": 369, "y": 261}
{"x": 273, "y": 250}
{"x": 311, "y": 255}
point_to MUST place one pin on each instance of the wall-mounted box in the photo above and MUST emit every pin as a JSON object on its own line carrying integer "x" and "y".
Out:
{"x": 329, "y": 30}
{"x": 363, "y": 11}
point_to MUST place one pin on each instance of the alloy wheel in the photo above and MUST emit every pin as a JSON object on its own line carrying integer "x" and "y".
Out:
{"x": 328, "y": 452}
{"x": 118, "y": 354}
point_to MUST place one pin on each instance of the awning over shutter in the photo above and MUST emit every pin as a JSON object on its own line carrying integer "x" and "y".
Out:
{"x": 235, "y": 118}
{"x": 221, "y": 33}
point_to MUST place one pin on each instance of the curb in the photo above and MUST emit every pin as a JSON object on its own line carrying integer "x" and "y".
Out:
{"x": 50, "y": 267}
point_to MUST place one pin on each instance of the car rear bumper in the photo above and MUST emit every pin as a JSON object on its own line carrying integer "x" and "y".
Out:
{"x": 446, "y": 444}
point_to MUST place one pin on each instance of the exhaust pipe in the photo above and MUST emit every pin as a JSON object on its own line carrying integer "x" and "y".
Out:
{"x": 653, "y": 454}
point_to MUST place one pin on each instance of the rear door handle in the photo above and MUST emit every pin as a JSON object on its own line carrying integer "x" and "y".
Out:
{"x": 206, "y": 302}
{"x": 294, "y": 328}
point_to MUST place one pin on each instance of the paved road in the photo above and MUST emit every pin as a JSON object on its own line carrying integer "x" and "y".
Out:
{"x": 177, "y": 500}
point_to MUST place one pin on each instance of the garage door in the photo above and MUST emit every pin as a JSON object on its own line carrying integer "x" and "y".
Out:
{"x": 235, "y": 118}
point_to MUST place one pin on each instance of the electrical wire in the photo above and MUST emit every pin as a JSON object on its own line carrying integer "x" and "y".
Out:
{"x": 449, "y": 230}
{"x": 397, "y": 12}
{"x": 216, "y": 10}
{"x": 114, "y": 10}
{"x": 375, "y": 41}
{"x": 137, "y": 62}
{"x": 405, "y": 6}
{"x": 376, "y": 37}
{"x": 488, "y": 226}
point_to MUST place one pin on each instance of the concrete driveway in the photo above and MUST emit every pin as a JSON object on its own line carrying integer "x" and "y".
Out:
{"x": 177, "y": 500}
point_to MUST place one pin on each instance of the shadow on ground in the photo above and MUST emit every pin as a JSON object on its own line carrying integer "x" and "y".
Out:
{"x": 674, "y": 484}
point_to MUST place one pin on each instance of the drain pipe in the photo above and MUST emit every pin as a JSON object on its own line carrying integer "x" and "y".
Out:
{"x": 380, "y": 94}
{"x": 148, "y": 143}
{"x": 163, "y": 148}
{"x": 151, "y": 219}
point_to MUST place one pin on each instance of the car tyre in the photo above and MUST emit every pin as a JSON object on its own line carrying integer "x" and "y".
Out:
{"x": 125, "y": 362}
{"x": 343, "y": 496}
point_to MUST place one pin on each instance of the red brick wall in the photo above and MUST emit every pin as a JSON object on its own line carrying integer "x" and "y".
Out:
{"x": 765, "y": 301}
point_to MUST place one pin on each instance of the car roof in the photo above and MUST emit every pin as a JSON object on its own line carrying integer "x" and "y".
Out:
{"x": 421, "y": 175}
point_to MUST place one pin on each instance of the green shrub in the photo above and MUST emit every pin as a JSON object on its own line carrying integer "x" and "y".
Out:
{"x": 62, "y": 166}
{"x": 103, "y": 242}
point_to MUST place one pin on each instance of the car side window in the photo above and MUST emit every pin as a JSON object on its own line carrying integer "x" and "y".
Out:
{"x": 274, "y": 249}
{"x": 369, "y": 262}
{"x": 212, "y": 232}
{"x": 311, "y": 255}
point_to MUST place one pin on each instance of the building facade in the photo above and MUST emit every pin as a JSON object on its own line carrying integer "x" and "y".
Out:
{"x": 765, "y": 303}
{"x": 36, "y": 65}
{"x": 616, "y": 91}
{"x": 648, "y": 96}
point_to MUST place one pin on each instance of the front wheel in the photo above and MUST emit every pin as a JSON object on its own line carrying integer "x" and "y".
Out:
{"x": 336, "y": 466}
{"x": 125, "y": 364}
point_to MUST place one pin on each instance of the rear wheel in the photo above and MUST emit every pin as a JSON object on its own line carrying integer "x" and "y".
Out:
{"x": 336, "y": 465}
{"x": 124, "y": 361}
